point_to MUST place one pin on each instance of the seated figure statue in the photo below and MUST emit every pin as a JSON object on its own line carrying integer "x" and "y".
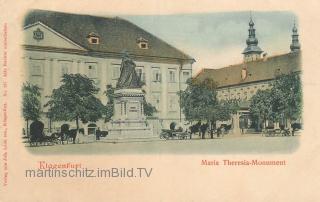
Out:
{"x": 128, "y": 76}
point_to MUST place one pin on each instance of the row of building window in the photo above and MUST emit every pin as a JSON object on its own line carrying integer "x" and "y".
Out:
{"x": 94, "y": 38}
{"x": 173, "y": 102}
{"x": 242, "y": 93}
{"x": 247, "y": 88}
{"x": 92, "y": 72}
{"x": 156, "y": 74}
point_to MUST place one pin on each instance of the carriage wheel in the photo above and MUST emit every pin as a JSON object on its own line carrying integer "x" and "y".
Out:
{"x": 166, "y": 137}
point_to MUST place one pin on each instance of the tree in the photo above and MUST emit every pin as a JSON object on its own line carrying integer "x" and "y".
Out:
{"x": 283, "y": 100}
{"x": 287, "y": 96}
{"x": 199, "y": 102}
{"x": 75, "y": 100}
{"x": 225, "y": 108}
{"x": 148, "y": 108}
{"x": 198, "y": 99}
{"x": 31, "y": 105}
{"x": 261, "y": 106}
{"x": 109, "y": 108}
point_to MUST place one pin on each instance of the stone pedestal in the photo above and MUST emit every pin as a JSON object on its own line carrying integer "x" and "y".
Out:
{"x": 235, "y": 130}
{"x": 129, "y": 120}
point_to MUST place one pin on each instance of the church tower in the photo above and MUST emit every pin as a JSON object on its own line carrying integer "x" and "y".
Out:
{"x": 252, "y": 51}
{"x": 295, "y": 45}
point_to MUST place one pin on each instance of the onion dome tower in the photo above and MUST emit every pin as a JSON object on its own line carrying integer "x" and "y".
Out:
{"x": 295, "y": 45}
{"x": 252, "y": 51}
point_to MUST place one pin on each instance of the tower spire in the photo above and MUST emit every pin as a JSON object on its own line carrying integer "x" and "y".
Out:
{"x": 252, "y": 51}
{"x": 295, "y": 45}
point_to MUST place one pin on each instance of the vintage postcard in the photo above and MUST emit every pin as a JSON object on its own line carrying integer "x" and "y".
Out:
{"x": 159, "y": 101}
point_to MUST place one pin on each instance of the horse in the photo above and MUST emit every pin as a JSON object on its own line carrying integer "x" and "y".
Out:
{"x": 203, "y": 129}
{"x": 195, "y": 128}
{"x": 72, "y": 134}
{"x": 64, "y": 133}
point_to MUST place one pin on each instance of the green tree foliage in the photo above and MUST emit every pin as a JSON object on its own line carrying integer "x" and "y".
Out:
{"x": 287, "y": 96}
{"x": 148, "y": 108}
{"x": 261, "y": 105}
{"x": 31, "y": 104}
{"x": 75, "y": 100}
{"x": 199, "y": 102}
{"x": 109, "y": 108}
{"x": 284, "y": 99}
{"x": 224, "y": 109}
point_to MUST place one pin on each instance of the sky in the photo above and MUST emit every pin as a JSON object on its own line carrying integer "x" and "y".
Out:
{"x": 216, "y": 40}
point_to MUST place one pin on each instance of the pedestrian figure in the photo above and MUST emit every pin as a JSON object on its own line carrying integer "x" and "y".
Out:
{"x": 242, "y": 125}
{"x": 80, "y": 138}
{"x": 98, "y": 133}
{"x": 219, "y": 131}
{"x": 203, "y": 129}
{"x": 64, "y": 129}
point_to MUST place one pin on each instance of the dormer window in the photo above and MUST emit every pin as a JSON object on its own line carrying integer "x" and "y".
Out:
{"x": 93, "y": 38}
{"x": 142, "y": 43}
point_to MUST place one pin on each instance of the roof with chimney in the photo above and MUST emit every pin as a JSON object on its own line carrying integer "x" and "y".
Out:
{"x": 115, "y": 34}
{"x": 266, "y": 68}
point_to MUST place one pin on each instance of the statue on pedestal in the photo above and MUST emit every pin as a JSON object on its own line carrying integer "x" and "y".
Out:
{"x": 128, "y": 76}
{"x": 128, "y": 120}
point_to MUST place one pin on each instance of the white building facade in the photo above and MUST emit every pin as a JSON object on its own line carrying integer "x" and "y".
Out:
{"x": 60, "y": 43}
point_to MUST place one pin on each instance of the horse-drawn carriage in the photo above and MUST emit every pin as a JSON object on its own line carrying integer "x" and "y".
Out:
{"x": 43, "y": 140}
{"x": 174, "y": 134}
{"x": 276, "y": 132}
{"x": 38, "y": 137}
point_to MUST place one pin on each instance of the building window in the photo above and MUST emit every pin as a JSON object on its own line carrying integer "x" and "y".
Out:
{"x": 277, "y": 72}
{"x": 92, "y": 71}
{"x": 185, "y": 76}
{"x": 115, "y": 71}
{"x": 172, "y": 76}
{"x": 93, "y": 38}
{"x": 36, "y": 73}
{"x": 245, "y": 96}
{"x": 65, "y": 68}
{"x": 141, "y": 74}
{"x": 37, "y": 80}
{"x": 142, "y": 43}
{"x": 36, "y": 70}
{"x": 156, "y": 101}
{"x": 172, "y": 103}
{"x": 156, "y": 75}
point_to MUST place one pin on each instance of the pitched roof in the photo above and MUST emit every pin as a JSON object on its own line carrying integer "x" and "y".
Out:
{"x": 260, "y": 70}
{"x": 116, "y": 34}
